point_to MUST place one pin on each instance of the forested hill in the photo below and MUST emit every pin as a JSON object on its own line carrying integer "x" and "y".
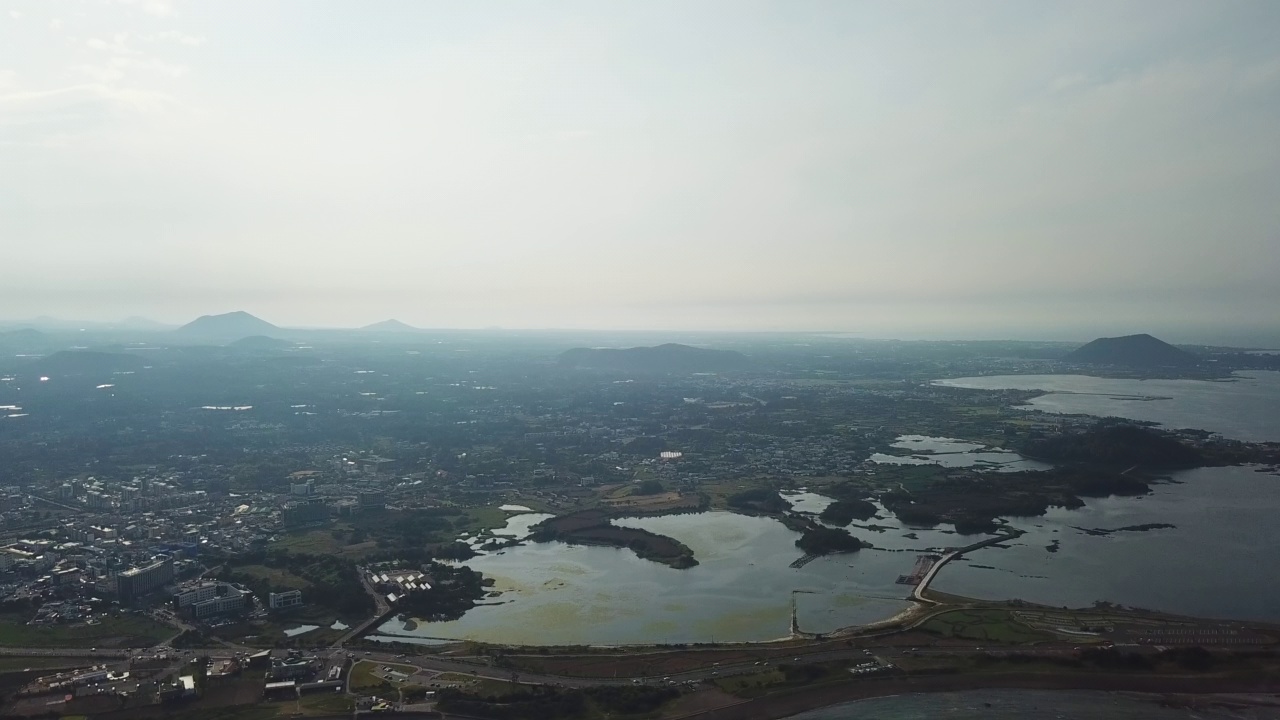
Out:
{"x": 1116, "y": 444}
{"x": 1141, "y": 351}
{"x": 228, "y": 326}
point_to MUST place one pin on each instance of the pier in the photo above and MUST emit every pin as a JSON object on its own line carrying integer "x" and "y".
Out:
{"x": 924, "y": 563}
{"x": 801, "y": 562}
{"x": 796, "y": 632}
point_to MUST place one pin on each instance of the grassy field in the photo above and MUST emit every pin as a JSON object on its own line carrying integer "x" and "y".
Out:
{"x": 753, "y": 684}
{"x": 362, "y": 674}
{"x": 987, "y": 626}
{"x": 325, "y": 703}
{"x": 18, "y": 664}
{"x": 276, "y": 576}
{"x": 270, "y": 633}
{"x": 113, "y": 632}
{"x": 312, "y": 542}
{"x": 719, "y": 492}
{"x": 322, "y": 542}
{"x": 239, "y": 712}
{"x": 911, "y": 477}
{"x": 484, "y": 518}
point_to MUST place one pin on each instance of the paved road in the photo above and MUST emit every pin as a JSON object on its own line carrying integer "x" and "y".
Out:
{"x": 479, "y": 667}
{"x": 66, "y": 652}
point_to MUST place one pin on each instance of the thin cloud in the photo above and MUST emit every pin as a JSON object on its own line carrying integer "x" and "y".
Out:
{"x": 118, "y": 44}
{"x": 159, "y": 8}
{"x": 173, "y": 36}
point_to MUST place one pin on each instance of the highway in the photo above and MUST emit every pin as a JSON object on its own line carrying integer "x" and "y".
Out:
{"x": 106, "y": 654}
{"x": 480, "y": 667}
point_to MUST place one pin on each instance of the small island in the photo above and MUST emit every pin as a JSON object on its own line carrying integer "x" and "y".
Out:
{"x": 595, "y": 527}
{"x": 843, "y": 512}
{"x": 819, "y": 540}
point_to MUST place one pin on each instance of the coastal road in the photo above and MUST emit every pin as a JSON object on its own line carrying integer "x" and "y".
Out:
{"x": 479, "y": 667}
{"x": 918, "y": 592}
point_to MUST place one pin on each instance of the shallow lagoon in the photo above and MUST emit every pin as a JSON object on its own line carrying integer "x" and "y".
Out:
{"x": 553, "y": 593}
{"x": 952, "y": 453}
{"x": 1207, "y": 565}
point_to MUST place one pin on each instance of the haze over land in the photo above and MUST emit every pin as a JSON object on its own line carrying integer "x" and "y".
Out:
{"x": 977, "y": 170}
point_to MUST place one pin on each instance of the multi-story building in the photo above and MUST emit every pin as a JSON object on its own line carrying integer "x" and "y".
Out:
{"x": 192, "y": 594}
{"x": 304, "y": 512}
{"x": 231, "y": 602}
{"x": 283, "y": 600}
{"x": 211, "y": 598}
{"x": 136, "y": 582}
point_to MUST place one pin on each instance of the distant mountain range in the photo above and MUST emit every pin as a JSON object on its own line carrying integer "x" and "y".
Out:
{"x": 227, "y": 326}
{"x": 390, "y": 326}
{"x": 137, "y": 322}
{"x": 1139, "y": 351}
{"x": 671, "y": 357}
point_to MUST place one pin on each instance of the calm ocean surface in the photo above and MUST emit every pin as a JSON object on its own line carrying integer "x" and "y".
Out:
{"x": 1212, "y": 563}
{"x": 1245, "y": 408}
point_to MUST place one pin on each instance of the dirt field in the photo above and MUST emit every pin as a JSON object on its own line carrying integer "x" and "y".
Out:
{"x": 699, "y": 702}
{"x": 660, "y": 502}
{"x": 676, "y": 661}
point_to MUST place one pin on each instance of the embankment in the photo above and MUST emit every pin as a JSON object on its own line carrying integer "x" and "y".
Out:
{"x": 792, "y": 702}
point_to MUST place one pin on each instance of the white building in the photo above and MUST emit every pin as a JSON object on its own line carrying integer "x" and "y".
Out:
{"x": 194, "y": 594}
{"x": 231, "y": 602}
{"x": 210, "y": 598}
{"x": 287, "y": 599}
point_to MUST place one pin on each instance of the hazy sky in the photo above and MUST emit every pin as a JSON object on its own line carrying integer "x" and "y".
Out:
{"x": 965, "y": 168}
